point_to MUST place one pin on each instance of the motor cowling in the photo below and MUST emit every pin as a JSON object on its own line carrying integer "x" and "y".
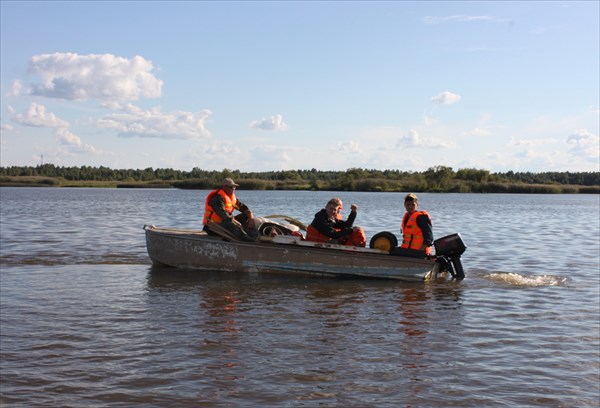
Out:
{"x": 449, "y": 249}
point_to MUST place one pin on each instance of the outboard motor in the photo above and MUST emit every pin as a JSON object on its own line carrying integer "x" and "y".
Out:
{"x": 450, "y": 248}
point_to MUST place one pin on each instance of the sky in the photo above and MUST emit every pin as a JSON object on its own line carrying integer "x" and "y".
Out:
{"x": 285, "y": 85}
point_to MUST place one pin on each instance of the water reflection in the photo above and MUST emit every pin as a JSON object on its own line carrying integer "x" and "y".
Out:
{"x": 424, "y": 305}
{"x": 413, "y": 311}
{"x": 328, "y": 309}
{"x": 167, "y": 278}
{"x": 512, "y": 333}
{"x": 208, "y": 306}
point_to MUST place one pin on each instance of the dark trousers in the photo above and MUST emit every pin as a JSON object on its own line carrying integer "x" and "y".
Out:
{"x": 408, "y": 252}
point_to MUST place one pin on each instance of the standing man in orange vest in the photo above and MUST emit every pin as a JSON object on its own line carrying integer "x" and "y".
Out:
{"x": 219, "y": 207}
{"x": 417, "y": 233}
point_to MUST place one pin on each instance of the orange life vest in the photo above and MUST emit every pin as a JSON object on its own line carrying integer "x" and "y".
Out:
{"x": 412, "y": 234}
{"x": 313, "y": 235}
{"x": 356, "y": 238}
{"x": 209, "y": 212}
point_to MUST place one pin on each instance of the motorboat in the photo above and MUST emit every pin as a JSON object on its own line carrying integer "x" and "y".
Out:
{"x": 281, "y": 248}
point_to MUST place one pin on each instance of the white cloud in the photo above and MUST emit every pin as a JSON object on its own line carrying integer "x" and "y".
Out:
{"x": 531, "y": 153}
{"x": 7, "y": 127}
{"x": 104, "y": 77}
{"x": 215, "y": 155}
{"x": 73, "y": 142}
{"x": 584, "y": 143}
{"x": 154, "y": 123}
{"x": 349, "y": 147}
{"x": 270, "y": 154}
{"x": 218, "y": 149}
{"x": 37, "y": 116}
{"x": 533, "y": 158}
{"x": 477, "y": 132}
{"x": 65, "y": 136}
{"x": 445, "y": 98}
{"x": 15, "y": 88}
{"x": 429, "y": 121}
{"x": 273, "y": 123}
{"x": 385, "y": 158}
{"x": 413, "y": 140}
{"x": 530, "y": 143}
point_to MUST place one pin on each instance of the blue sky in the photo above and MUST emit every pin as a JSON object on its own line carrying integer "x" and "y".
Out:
{"x": 260, "y": 86}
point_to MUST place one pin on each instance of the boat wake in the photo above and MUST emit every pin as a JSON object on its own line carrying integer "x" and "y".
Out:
{"x": 70, "y": 259}
{"x": 515, "y": 279}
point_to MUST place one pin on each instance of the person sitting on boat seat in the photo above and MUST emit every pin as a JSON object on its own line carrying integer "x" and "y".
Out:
{"x": 328, "y": 226}
{"x": 219, "y": 207}
{"x": 417, "y": 232}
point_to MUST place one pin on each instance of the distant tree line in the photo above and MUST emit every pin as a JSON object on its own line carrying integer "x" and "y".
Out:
{"x": 434, "y": 179}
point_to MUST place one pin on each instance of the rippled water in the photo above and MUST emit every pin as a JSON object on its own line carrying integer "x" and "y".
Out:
{"x": 87, "y": 321}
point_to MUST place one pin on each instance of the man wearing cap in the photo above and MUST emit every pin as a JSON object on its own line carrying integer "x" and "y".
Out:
{"x": 417, "y": 234}
{"x": 219, "y": 207}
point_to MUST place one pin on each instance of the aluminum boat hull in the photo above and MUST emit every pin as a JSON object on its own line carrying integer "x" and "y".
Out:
{"x": 195, "y": 249}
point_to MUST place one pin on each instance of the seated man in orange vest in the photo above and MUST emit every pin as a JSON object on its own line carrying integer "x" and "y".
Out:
{"x": 417, "y": 232}
{"x": 328, "y": 226}
{"x": 219, "y": 207}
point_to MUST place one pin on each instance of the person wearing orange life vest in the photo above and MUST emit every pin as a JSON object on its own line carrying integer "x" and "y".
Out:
{"x": 417, "y": 232}
{"x": 219, "y": 207}
{"x": 328, "y": 226}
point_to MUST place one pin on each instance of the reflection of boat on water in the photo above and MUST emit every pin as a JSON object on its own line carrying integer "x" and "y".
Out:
{"x": 195, "y": 249}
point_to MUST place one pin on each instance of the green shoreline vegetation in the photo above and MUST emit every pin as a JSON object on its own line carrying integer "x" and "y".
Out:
{"x": 439, "y": 179}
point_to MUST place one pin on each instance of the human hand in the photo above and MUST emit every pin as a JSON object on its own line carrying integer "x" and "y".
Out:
{"x": 353, "y": 208}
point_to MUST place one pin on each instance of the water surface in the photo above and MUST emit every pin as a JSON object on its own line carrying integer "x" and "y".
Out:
{"x": 87, "y": 321}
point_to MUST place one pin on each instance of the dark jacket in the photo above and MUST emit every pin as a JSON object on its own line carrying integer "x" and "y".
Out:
{"x": 334, "y": 229}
